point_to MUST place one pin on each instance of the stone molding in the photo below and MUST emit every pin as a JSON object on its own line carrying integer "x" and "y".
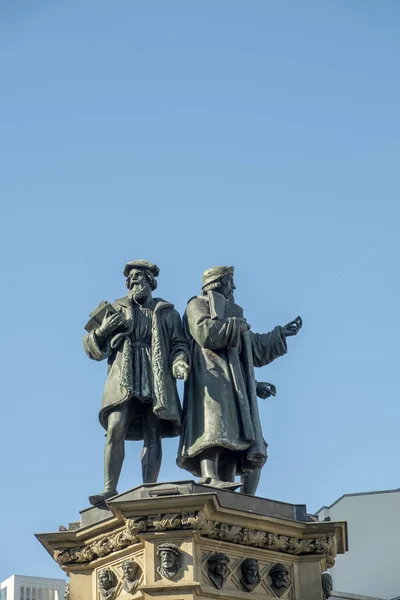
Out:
{"x": 197, "y": 521}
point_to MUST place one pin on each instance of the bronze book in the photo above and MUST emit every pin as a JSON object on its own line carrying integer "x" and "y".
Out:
{"x": 97, "y": 315}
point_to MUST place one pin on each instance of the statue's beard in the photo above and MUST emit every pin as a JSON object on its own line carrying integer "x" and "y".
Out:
{"x": 139, "y": 293}
{"x": 227, "y": 293}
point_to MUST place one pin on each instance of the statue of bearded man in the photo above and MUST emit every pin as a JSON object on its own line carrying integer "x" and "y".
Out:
{"x": 221, "y": 434}
{"x": 143, "y": 340}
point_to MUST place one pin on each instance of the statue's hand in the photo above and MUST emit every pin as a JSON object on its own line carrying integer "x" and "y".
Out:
{"x": 265, "y": 390}
{"x": 111, "y": 324}
{"x": 293, "y": 327}
{"x": 244, "y": 325}
{"x": 180, "y": 369}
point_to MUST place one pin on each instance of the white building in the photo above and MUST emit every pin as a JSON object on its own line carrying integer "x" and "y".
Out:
{"x": 371, "y": 567}
{"x": 23, "y": 587}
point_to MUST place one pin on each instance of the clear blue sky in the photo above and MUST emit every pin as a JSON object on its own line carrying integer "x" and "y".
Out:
{"x": 260, "y": 134}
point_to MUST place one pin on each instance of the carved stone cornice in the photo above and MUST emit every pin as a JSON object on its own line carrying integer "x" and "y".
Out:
{"x": 103, "y": 546}
{"x": 197, "y": 521}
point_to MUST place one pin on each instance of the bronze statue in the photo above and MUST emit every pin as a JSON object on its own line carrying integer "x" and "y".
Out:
{"x": 251, "y": 479}
{"x": 143, "y": 340}
{"x": 221, "y": 434}
{"x": 250, "y": 574}
{"x": 170, "y": 560}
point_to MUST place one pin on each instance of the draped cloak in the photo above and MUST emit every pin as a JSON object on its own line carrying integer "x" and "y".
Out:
{"x": 140, "y": 359}
{"x": 220, "y": 407}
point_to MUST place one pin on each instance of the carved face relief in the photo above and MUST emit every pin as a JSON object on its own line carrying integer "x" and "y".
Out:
{"x": 279, "y": 577}
{"x": 218, "y": 569}
{"x": 131, "y": 571}
{"x": 107, "y": 584}
{"x": 327, "y": 585}
{"x": 170, "y": 560}
{"x": 250, "y": 574}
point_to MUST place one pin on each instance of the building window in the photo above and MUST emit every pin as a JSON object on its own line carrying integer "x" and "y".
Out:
{"x": 3, "y": 594}
{"x": 33, "y": 593}
{"x": 22, "y": 594}
{"x": 39, "y": 594}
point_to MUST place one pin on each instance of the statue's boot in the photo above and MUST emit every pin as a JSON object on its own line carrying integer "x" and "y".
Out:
{"x": 217, "y": 483}
{"x": 101, "y": 498}
{"x": 250, "y": 481}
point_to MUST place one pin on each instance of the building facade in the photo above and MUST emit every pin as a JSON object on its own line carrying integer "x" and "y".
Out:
{"x": 23, "y": 587}
{"x": 370, "y": 569}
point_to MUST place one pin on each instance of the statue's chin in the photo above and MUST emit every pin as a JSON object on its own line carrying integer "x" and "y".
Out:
{"x": 138, "y": 295}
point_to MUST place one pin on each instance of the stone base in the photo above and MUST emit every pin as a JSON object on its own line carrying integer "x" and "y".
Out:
{"x": 195, "y": 522}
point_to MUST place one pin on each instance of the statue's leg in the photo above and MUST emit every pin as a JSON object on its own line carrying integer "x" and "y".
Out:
{"x": 250, "y": 482}
{"x": 114, "y": 451}
{"x": 152, "y": 448}
{"x": 212, "y": 464}
{"x": 209, "y": 466}
{"x": 227, "y": 466}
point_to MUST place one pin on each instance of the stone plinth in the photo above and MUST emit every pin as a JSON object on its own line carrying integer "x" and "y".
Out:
{"x": 172, "y": 532}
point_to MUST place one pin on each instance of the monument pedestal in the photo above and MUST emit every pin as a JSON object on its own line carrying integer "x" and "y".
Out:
{"x": 183, "y": 541}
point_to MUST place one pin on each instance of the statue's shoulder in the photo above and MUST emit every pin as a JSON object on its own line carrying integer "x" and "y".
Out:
{"x": 164, "y": 305}
{"x": 124, "y": 301}
{"x": 196, "y": 301}
{"x": 194, "y": 298}
{"x": 197, "y": 305}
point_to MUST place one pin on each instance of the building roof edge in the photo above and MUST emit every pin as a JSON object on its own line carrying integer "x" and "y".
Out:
{"x": 357, "y": 494}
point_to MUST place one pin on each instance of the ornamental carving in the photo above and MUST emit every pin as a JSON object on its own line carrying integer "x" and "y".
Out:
{"x": 198, "y": 521}
{"x": 103, "y": 546}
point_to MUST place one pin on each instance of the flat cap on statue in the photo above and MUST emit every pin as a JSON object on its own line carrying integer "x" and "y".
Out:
{"x": 215, "y": 273}
{"x": 168, "y": 547}
{"x": 278, "y": 568}
{"x": 141, "y": 264}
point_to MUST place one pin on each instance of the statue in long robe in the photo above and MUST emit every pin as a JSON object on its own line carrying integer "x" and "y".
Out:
{"x": 221, "y": 433}
{"x": 143, "y": 340}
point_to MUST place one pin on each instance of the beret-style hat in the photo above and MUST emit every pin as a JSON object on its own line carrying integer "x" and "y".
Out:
{"x": 215, "y": 273}
{"x": 279, "y": 568}
{"x": 141, "y": 264}
{"x": 167, "y": 546}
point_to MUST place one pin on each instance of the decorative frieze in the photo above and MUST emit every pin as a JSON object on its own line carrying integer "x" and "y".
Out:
{"x": 129, "y": 535}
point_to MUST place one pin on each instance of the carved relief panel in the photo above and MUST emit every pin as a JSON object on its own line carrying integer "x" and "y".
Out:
{"x": 121, "y": 579}
{"x": 170, "y": 561}
{"x": 242, "y": 575}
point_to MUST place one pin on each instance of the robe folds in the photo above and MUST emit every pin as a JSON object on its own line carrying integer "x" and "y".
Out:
{"x": 220, "y": 407}
{"x": 140, "y": 359}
